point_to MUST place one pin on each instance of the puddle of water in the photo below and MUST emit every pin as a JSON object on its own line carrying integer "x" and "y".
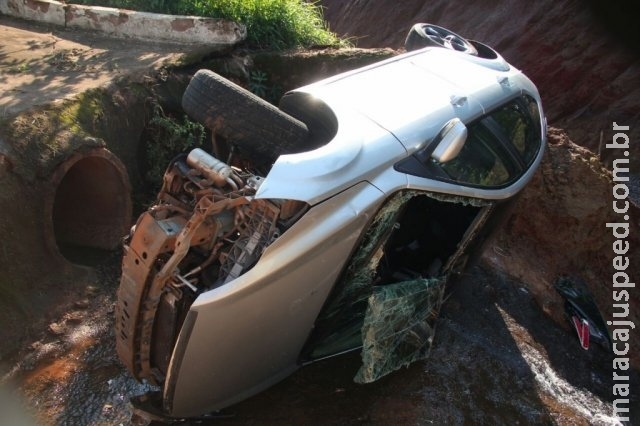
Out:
{"x": 555, "y": 390}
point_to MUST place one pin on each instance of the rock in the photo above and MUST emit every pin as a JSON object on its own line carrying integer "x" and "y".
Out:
{"x": 81, "y": 304}
{"x": 56, "y": 329}
{"x": 73, "y": 318}
{"x": 91, "y": 290}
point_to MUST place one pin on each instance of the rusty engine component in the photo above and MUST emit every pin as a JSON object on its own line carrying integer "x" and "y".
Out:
{"x": 204, "y": 230}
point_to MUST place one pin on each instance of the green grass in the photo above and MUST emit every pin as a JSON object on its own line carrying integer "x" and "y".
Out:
{"x": 169, "y": 136}
{"x": 277, "y": 24}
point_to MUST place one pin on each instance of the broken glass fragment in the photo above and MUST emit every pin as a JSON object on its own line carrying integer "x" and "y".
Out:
{"x": 398, "y": 326}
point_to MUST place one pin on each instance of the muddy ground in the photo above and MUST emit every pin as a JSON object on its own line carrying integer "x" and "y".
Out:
{"x": 497, "y": 358}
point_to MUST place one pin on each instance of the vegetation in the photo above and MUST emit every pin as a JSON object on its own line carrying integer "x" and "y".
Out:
{"x": 259, "y": 85}
{"x": 169, "y": 137}
{"x": 275, "y": 24}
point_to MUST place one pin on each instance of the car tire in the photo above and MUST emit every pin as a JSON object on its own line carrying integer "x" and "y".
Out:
{"x": 258, "y": 129}
{"x": 424, "y": 35}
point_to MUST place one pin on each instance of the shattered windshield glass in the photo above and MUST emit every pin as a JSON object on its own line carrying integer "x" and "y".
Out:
{"x": 391, "y": 290}
{"x": 398, "y": 326}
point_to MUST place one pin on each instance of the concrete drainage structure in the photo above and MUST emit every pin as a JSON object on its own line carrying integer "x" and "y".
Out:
{"x": 68, "y": 170}
{"x": 86, "y": 188}
{"x": 57, "y": 222}
{"x": 90, "y": 205}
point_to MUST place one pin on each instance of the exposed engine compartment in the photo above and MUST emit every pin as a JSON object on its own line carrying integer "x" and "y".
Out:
{"x": 204, "y": 230}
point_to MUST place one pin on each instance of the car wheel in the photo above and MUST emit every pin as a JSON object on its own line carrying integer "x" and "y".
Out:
{"x": 317, "y": 115}
{"x": 258, "y": 129}
{"x": 424, "y": 35}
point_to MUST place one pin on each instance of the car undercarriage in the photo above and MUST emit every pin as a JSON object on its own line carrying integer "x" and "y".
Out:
{"x": 333, "y": 223}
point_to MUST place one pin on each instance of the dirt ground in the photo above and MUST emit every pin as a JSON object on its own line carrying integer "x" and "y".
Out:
{"x": 497, "y": 358}
{"x": 500, "y": 362}
{"x": 40, "y": 64}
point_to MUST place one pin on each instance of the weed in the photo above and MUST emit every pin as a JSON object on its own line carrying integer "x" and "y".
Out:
{"x": 257, "y": 83}
{"x": 259, "y": 86}
{"x": 19, "y": 69}
{"x": 65, "y": 60}
{"x": 168, "y": 138}
{"x": 83, "y": 115}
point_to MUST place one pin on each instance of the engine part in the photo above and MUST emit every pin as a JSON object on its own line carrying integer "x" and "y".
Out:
{"x": 205, "y": 221}
{"x": 212, "y": 168}
{"x": 260, "y": 227}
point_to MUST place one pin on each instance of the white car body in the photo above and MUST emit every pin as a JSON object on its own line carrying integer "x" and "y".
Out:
{"x": 241, "y": 337}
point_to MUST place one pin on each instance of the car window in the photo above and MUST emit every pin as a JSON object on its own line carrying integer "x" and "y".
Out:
{"x": 520, "y": 121}
{"x": 499, "y": 148}
{"x": 482, "y": 161}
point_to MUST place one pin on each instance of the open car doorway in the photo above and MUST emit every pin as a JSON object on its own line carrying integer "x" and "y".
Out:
{"x": 390, "y": 292}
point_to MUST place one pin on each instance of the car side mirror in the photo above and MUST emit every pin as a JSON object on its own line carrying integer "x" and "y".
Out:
{"x": 450, "y": 141}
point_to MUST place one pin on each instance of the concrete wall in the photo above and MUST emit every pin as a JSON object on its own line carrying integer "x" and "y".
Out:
{"x": 127, "y": 23}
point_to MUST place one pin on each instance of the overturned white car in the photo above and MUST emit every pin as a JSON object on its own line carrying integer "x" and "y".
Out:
{"x": 327, "y": 225}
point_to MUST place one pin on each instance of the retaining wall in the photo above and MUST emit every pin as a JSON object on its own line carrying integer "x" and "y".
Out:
{"x": 128, "y": 23}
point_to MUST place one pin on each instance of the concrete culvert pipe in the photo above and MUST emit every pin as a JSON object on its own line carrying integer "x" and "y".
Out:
{"x": 90, "y": 205}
